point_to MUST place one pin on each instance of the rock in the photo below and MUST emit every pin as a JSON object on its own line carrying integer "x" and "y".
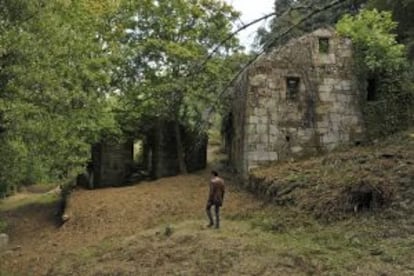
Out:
{"x": 65, "y": 218}
{"x": 17, "y": 248}
{"x": 4, "y": 241}
{"x": 168, "y": 231}
{"x": 376, "y": 252}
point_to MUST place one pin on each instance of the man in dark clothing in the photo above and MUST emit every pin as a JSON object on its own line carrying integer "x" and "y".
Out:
{"x": 216, "y": 197}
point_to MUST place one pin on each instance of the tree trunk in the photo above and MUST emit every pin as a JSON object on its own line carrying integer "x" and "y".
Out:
{"x": 180, "y": 148}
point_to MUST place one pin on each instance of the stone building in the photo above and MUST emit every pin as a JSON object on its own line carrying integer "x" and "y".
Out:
{"x": 161, "y": 154}
{"x": 113, "y": 161}
{"x": 298, "y": 100}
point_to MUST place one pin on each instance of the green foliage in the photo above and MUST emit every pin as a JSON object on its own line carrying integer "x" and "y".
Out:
{"x": 290, "y": 12}
{"x": 54, "y": 78}
{"x": 165, "y": 73}
{"x": 371, "y": 33}
{"x": 381, "y": 58}
{"x": 72, "y": 72}
{"x": 403, "y": 13}
{"x": 3, "y": 226}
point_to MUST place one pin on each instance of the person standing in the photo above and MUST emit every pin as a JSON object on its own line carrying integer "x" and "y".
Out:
{"x": 215, "y": 198}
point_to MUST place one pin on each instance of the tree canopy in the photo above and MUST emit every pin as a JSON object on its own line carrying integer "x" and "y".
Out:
{"x": 73, "y": 72}
{"x": 372, "y": 33}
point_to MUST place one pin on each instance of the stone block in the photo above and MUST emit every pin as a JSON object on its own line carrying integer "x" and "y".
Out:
{"x": 330, "y": 146}
{"x": 253, "y": 138}
{"x": 265, "y": 138}
{"x": 345, "y": 51}
{"x": 324, "y": 88}
{"x": 296, "y": 149}
{"x": 330, "y": 81}
{"x": 273, "y": 130}
{"x": 323, "y": 130}
{"x": 343, "y": 98}
{"x": 330, "y": 139}
{"x": 326, "y": 97}
{"x": 253, "y": 120}
{"x": 258, "y": 80}
{"x": 273, "y": 156}
{"x": 259, "y": 111}
{"x": 252, "y": 129}
{"x": 271, "y": 85}
{"x": 261, "y": 129}
{"x": 263, "y": 119}
{"x": 253, "y": 156}
{"x": 4, "y": 241}
{"x": 346, "y": 85}
{"x": 258, "y": 156}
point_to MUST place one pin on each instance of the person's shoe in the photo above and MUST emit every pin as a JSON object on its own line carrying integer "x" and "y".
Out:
{"x": 210, "y": 225}
{"x": 217, "y": 227}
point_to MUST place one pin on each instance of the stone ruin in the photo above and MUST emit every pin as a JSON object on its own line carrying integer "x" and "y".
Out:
{"x": 299, "y": 100}
{"x": 113, "y": 161}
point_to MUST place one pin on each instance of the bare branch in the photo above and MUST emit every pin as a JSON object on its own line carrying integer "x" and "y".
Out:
{"x": 278, "y": 37}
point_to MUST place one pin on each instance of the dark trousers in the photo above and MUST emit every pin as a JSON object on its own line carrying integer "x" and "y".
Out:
{"x": 216, "y": 210}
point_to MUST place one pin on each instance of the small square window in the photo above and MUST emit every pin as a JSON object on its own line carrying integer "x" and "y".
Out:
{"x": 292, "y": 88}
{"x": 324, "y": 45}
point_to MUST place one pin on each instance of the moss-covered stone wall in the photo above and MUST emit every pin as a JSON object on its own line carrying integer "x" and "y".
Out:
{"x": 298, "y": 100}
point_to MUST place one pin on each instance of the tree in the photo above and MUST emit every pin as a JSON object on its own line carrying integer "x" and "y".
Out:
{"x": 383, "y": 63}
{"x": 54, "y": 78}
{"x": 290, "y": 12}
{"x": 372, "y": 34}
{"x": 403, "y": 13}
{"x": 165, "y": 44}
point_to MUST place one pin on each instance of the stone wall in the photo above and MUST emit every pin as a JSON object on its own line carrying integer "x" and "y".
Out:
{"x": 161, "y": 150}
{"x": 317, "y": 112}
{"x": 111, "y": 163}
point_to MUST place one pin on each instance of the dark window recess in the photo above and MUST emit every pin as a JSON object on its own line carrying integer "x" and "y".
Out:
{"x": 292, "y": 85}
{"x": 372, "y": 90}
{"x": 323, "y": 45}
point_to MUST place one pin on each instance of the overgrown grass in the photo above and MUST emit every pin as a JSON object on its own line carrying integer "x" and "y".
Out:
{"x": 24, "y": 200}
{"x": 335, "y": 249}
{"x": 246, "y": 245}
{"x": 3, "y": 226}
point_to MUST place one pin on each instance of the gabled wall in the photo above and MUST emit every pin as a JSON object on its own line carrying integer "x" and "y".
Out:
{"x": 271, "y": 124}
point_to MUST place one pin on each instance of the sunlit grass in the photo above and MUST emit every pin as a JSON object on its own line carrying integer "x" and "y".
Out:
{"x": 22, "y": 200}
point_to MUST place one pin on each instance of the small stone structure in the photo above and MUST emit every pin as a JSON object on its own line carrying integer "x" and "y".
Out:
{"x": 161, "y": 155}
{"x": 4, "y": 241}
{"x": 113, "y": 161}
{"x": 298, "y": 100}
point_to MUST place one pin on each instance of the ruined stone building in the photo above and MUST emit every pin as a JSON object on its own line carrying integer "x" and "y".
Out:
{"x": 113, "y": 161}
{"x": 298, "y": 100}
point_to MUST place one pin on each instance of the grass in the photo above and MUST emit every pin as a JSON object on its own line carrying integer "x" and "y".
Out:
{"x": 123, "y": 231}
{"x": 3, "y": 226}
{"x": 248, "y": 246}
{"x": 22, "y": 200}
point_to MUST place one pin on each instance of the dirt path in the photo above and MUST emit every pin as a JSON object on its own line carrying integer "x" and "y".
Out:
{"x": 108, "y": 214}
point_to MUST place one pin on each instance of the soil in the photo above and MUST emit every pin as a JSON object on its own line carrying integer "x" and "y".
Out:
{"x": 298, "y": 223}
{"x": 98, "y": 215}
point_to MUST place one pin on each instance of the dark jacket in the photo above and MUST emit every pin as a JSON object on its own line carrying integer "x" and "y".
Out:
{"x": 217, "y": 190}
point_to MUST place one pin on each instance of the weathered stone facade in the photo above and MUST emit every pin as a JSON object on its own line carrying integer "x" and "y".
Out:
{"x": 161, "y": 154}
{"x": 111, "y": 163}
{"x": 299, "y": 100}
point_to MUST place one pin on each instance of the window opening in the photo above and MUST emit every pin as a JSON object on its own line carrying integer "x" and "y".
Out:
{"x": 292, "y": 85}
{"x": 323, "y": 45}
